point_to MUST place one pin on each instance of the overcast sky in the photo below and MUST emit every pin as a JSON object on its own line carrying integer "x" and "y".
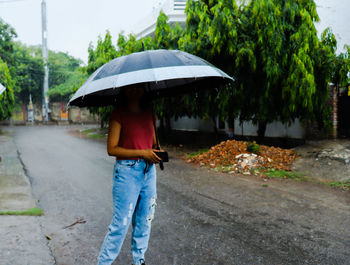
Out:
{"x": 73, "y": 24}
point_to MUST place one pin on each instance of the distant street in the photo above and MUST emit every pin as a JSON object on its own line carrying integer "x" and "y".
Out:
{"x": 202, "y": 216}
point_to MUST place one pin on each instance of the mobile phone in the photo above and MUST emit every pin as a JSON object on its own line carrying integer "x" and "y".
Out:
{"x": 162, "y": 155}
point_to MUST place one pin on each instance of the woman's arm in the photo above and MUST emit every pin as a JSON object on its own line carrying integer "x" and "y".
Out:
{"x": 154, "y": 139}
{"x": 114, "y": 150}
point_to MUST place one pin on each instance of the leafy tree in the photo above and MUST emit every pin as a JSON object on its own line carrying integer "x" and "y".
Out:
{"x": 63, "y": 91}
{"x": 275, "y": 67}
{"x": 60, "y": 67}
{"x": 323, "y": 67}
{"x": 65, "y": 75}
{"x": 27, "y": 72}
{"x": 341, "y": 68}
{"x": 24, "y": 65}
{"x": 162, "y": 33}
{"x": 281, "y": 68}
{"x": 104, "y": 52}
{"x": 211, "y": 31}
{"x": 212, "y": 36}
{"x": 7, "y": 97}
{"x": 7, "y": 35}
{"x": 268, "y": 45}
{"x": 328, "y": 68}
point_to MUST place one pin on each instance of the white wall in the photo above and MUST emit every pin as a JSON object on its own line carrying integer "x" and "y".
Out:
{"x": 191, "y": 124}
{"x": 274, "y": 129}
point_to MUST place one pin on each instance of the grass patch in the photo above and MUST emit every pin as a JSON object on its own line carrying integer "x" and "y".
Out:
{"x": 87, "y": 131}
{"x": 96, "y": 136}
{"x": 2, "y": 132}
{"x": 253, "y": 147}
{"x": 95, "y": 133}
{"x": 282, "y": 174}
{"x": 199, "y": 152}
{"x": 344, "y": 185}
{"x": 31, "y": 212}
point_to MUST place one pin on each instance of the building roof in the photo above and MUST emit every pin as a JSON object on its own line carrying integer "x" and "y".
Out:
{"x": 174, "y": 9}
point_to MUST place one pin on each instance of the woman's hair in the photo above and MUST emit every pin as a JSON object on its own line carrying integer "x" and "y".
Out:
{"x": 122, "y": 100}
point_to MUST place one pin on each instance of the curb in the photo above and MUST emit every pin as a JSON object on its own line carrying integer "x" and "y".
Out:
{"x": 22, "y": 240}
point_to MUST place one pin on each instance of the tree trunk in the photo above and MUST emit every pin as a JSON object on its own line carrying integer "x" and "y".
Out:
{"x": 231, "y": 127}
{"x": 162, "y": 128}
{"x": 167, "y": 124}
{"x": 213, "y": 120}
{"x": 261, "y": 131}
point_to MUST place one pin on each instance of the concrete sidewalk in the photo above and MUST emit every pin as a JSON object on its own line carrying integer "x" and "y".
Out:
{"x": 325, "y": 160}
{"x": 22, "y": 241}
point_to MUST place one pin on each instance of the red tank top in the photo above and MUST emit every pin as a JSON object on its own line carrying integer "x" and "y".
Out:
{"x": 136, "y": 129}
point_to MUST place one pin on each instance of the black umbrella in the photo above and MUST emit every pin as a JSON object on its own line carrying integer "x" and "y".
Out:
{"x": 165, "y": 73}
{"x": 162, "y": 72}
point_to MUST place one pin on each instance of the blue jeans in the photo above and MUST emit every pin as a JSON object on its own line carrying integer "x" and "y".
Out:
{"x": 134, "y": 199}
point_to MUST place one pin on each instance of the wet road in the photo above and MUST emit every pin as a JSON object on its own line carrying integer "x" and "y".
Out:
{"x": 202, "y": 217}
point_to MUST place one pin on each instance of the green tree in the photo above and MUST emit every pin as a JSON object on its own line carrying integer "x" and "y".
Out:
{"x": 341, "y": 68}
{"x": 211, "y": 33}
{"x": 162, "y": 33}
{"x": 275, "y": 67}
{"x": 7, "y": 35}
{"x": 24, "y": 65}
{"x": 62, "y": 92}
{"x": 323, "y": 67}
{"x": 104, "y": 52}
{"x": 27, "y": 72}
{"x": 268, "y": 45}
{"x": 7, "y": 97}
{"x": 65, "y": 74}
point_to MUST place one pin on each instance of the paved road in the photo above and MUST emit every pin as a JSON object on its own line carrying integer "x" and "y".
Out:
{"x": 202, "y": 217}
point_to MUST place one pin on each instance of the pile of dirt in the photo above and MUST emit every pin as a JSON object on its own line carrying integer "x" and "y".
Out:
{"x": 238, "y": 157}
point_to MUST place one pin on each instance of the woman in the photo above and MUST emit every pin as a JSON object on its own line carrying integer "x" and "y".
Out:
{"x": 130, "y": 139}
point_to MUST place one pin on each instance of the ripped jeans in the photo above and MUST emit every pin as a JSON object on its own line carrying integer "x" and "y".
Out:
{"x": 134, "y": 199}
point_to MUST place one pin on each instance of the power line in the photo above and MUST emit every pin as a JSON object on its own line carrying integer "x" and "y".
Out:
{"x": 11, "y": 1}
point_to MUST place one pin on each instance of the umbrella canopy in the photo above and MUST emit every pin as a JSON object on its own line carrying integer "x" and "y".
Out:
{"x": 2, "y": 89}
{"x": 163, "y": 72}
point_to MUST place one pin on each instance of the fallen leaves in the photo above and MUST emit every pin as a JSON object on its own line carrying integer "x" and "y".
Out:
{"x": 232, "y": 156}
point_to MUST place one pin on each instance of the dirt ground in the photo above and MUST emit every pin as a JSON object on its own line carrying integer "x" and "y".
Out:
{"x": 203, "y": 216}
{"x": 326, "y": 160}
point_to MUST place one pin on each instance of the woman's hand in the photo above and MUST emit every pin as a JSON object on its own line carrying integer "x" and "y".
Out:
{"x": 150, "y": 156}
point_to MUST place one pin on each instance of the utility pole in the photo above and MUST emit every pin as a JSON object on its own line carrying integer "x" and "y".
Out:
{"x": 45, "y": 100}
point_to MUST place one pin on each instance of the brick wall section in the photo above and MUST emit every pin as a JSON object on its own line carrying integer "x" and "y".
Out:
{"x": 82, "y": 115}
{"x": 59, "y": 113}
{"x": 334, "y": 97}
{"x": 312, "y": 129}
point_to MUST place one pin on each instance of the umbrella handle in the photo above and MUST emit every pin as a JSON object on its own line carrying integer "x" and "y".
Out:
{"x": 161, "y": 165}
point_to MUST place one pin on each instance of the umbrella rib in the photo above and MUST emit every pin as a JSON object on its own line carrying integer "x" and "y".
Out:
{"x": 121, "y": 67}
{"x": 90, "y": 79}
{"x": 153, "y": 72}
